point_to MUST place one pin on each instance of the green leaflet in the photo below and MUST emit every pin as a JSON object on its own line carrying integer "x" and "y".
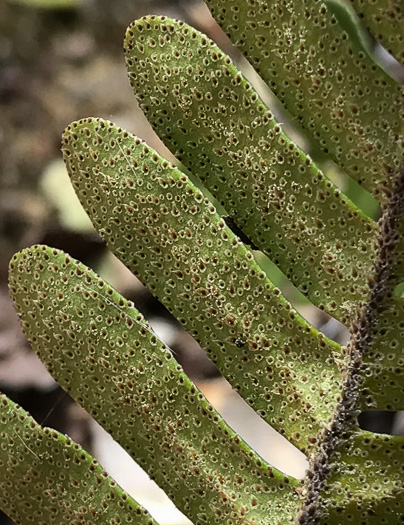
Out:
{"x": 366, "y": 481}
{"x": 383, "y": 387}
{"x": 349, "y": 21}
{"x": 100, "y": 349}
{"x": 339, "y": 95}
{"x": 46, "y": 478}
{"x": 384, "y": 371}
{"x": 163, "y": 229}
{"x": 214, "y": 122}
{"x": 384, "y": 19}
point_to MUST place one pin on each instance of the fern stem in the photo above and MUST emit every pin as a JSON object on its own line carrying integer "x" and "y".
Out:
{"x": 362, "y": 334}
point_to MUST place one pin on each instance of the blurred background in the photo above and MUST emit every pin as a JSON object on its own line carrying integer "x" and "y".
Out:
{"x": 61, "y": 60}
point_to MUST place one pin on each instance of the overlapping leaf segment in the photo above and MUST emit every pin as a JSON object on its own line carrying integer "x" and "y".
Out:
{"x": 161, "y": 226}
{"x": 46, "y": 478}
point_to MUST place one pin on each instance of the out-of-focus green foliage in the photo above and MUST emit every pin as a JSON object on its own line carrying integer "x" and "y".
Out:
{"x": 48, "y": 4}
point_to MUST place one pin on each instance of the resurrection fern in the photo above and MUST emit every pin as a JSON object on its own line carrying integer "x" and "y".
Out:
{"x": 160, "y": 225}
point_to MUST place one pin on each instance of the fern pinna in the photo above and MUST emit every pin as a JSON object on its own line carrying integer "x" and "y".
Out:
{"x": 160, "y": 224}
